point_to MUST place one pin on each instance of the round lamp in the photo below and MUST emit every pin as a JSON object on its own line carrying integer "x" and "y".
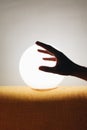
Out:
{"x": 32, "y": 76}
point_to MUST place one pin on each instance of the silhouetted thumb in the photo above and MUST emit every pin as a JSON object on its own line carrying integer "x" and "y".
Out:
{"x": 46, "y": 69}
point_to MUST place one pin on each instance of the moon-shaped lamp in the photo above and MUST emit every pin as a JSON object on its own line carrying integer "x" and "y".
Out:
{"x": 32, "y": 76}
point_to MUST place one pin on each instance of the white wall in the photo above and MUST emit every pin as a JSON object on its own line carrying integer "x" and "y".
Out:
{"x": 62, "y": 23}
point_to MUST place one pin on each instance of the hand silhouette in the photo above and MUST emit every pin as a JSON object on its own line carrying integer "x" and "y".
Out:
{"x": 64, "y": 66}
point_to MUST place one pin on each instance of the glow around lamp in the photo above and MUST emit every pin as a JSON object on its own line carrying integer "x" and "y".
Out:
{"x": 32, "y": 76}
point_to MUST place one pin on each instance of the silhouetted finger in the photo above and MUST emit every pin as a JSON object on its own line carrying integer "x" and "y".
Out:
{"x": 47, "y": 47}
{"x": 47, "y": 69}
{"x": 45, "y": 51}
{"x": 50, "y": 59}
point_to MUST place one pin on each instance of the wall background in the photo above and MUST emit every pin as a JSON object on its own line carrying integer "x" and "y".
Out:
{"x": 62, "y": 23}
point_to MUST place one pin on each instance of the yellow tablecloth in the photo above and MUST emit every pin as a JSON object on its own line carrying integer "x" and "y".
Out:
{"x": 63, "y": 108}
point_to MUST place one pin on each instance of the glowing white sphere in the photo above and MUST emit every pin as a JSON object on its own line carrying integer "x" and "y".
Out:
{"x": 32, "y": 76}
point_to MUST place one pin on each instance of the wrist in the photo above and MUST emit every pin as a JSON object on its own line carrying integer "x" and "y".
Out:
{"x": 80, "y": 72}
